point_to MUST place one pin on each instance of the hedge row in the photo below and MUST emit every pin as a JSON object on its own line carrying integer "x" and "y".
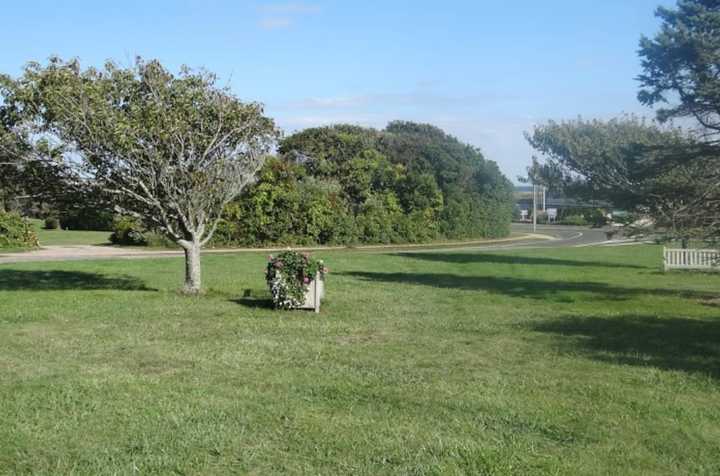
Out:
{"x": 347, "y": 184}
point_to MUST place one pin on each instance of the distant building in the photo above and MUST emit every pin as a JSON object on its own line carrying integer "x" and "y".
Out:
{"x": 556, "y": 205}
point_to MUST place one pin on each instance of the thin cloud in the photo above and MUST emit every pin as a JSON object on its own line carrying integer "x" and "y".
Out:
{"x": 283, "y": 15}
{"x": 294, "y": 8}
{"x": 274, "y": 23}
{"x": 331, "y": 102}
{"x": 413, "y": 100}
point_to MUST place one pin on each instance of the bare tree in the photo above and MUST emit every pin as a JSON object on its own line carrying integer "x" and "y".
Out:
{"x": 172, "y": 150}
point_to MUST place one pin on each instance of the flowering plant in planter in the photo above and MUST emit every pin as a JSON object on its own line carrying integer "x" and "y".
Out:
{"x": 288, "y": 276}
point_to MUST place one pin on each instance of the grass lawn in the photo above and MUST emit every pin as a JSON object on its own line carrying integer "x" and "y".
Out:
{"x": 567, "y": 361}
{"x": 69, "y": 237}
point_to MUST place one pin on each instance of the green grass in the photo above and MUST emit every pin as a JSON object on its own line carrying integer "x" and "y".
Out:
{"x": 69, "y": 237}
{"x": 569, "y": 361}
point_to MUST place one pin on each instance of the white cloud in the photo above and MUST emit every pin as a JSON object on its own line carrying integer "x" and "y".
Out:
{"x": 283, "y": 15}
{"x": 274, "y": 23}
{"x": 330, "y": 102}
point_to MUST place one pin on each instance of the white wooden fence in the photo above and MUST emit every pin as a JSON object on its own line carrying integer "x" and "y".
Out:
{"x": 691, "y": 259}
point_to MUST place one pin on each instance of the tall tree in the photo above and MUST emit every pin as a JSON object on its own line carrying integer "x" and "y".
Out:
{"x": 172, "y": 150}
{"x": 657, "y": 171}
{"x": 681, "y": 64}
{"x": 681, "y": 75}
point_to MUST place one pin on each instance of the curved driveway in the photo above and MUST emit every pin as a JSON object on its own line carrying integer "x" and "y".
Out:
{"x": 545, "y": 236}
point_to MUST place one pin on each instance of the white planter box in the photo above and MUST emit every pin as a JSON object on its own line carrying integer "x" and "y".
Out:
{"x": 315, "y": 293}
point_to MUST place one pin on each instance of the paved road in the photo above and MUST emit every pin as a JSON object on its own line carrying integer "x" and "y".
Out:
{"x": 564, "y": 235}
{"x": 545, "y": 236}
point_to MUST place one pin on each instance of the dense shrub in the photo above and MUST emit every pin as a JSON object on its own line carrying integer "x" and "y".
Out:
{"x": 596, "y": 217}
{"x": 127, "y": 231}
{"x": 16, "y": 232}
{"x": 576, "y": 220}
{"x": 87, "y": 218}
{"x": 51, "y": 223}
{"x": 347, "y": 184}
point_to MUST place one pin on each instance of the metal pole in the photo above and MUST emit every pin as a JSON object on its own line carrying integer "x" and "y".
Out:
{"x": 544, "y": 198}
{"x": 534, "y": 208}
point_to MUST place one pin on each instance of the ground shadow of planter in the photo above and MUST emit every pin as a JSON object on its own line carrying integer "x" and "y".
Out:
{"x": 254, "y": 303}
{"x": 17, "y": 280}
{"x": 492, "y": 258}
{"x": 676, "y": 343}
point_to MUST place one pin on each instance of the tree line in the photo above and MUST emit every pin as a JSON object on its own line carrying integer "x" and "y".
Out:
{"x": 177, "y": 155}
{"x": 347, "y": 184}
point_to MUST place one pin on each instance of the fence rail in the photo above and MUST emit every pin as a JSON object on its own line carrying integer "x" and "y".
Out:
{"x": 691, "y": 259}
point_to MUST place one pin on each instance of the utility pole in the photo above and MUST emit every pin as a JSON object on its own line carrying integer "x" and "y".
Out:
{"x": 534, "y": 208}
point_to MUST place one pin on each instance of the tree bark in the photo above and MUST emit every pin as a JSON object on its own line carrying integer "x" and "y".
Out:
{"x": 193, "y": 281}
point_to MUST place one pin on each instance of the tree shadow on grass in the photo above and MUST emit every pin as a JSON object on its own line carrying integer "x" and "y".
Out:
{"x": 17, "y": 280}
{"x": 690, "y": 345}
{"x": 526, "y": 288}
{"x": 464, "y": 258}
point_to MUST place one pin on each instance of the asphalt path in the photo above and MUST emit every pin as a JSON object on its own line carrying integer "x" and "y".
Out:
{"x": 524, "y": 237}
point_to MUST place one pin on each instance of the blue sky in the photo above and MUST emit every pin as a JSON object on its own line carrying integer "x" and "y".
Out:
{"x": 484, "y": 71}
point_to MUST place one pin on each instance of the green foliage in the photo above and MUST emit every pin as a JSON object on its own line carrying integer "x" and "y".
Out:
{"x": 128, "y": 231}
{"x": 51, "y": 223}
{"x": 576, "y": 220}
{"x": 288, "y": 276}
{"x": 287, "y": 206}
{"x": 477, "y": 198}
{"x": 596, "y": 217}
{"x": 614, "y": 158}
{"x": 542, "y": 218}
{"x": 662, "y": 173}
{"x": 153, "y": 239}
{"x": 86, "y": 217}
{"x": 680, "y": 65}
{"x": 16, "y": 232}
{"x": 347, "y": 184}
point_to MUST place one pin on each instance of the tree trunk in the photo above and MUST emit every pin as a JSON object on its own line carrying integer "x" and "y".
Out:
{"x": 193, "y": 284}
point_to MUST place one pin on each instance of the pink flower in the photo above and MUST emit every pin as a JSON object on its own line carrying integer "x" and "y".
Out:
{"x": 306, "y": 280}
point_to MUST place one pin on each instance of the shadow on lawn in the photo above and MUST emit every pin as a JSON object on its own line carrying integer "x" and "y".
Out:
{"x": 463, "y": 258}
{"x": 524, "y": 288}
{"x": 16, "y": 280}
{"x": 254, "y": 303}
{"x": 690, "y": 345}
